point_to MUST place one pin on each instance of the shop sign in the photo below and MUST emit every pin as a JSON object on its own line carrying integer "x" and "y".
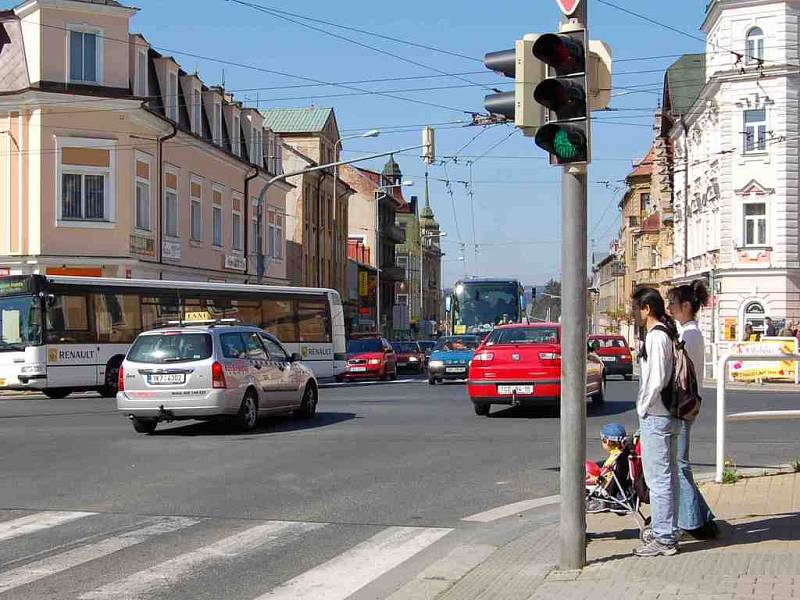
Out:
{"x": 752, "y": 371}
{"x": 144, "y": 246}
{"x": 171, "y": 250}
{"x": 235, "y": 262}
{"x": 363, "y": 283}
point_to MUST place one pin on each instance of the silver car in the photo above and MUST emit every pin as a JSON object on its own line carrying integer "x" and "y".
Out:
{"x": 212, "y": 371}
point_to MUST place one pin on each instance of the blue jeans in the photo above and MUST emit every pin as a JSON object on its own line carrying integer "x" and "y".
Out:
{"x": 660, "y": 463}
{"x": 693, "y": 511}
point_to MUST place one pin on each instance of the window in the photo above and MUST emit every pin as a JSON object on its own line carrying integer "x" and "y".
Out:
{"x": 312, "y": 316}
{"x": 142, "y": 205}
{"x": 258, "y": 240}
{"x": 255, "y": 349}
{"x": 755, "y": 224}
{"x": 197, "y": 112}
{"x": 276, "y": 351}
{"x": 278, "y": 237}
{"x": 236, "y": 136}
{"x": 68, "y": 321}
{"x": 172, "y": 97}
{"x": 256, "y": 144}
{"x": 171, "y": 204}
{"x": 755, "y": 46}
{"x": 196, "y": 211}
{"x": 236, "y": 223}
{"x": 653, "y": 258}
{"x": 83, "y": 197}
{"x": 755, "y": 130}
{"x": 85, "y": 173}
{"x": 141, "y": 73}
{"x": 271, "y": 238}
{"x": 280, "y": 319}
{"x": 171, "y": 349}
{"x": 84, "y": 56}
{"x": 217, "y": 123}
{"x": 644, "y": 203}
{"x": 233, "y": 345}
{"x": 117, "y": 317}
{"x": 216, "y": 217}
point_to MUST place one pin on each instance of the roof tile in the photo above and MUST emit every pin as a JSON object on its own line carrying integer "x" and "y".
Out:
{"x": 296, "y": 120}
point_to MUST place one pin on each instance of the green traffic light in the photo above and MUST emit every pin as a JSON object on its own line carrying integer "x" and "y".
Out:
{"x": 563, "y": 146}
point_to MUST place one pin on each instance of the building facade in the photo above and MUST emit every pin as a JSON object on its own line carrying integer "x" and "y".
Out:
{"x": 116, "y": 162}
{"x": 316, "y": 214}
{"x": 610, "y": 312}
{"x": 737, "y": 181}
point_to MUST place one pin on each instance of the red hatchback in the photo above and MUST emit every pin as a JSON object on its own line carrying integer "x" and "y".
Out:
{"x": 370, "y": 358}
{"x": 613, "y": 350}
{"x": 521, "y": 364}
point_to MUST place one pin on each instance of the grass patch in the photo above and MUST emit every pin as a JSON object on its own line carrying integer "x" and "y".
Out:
{"x": 730, "y": 475}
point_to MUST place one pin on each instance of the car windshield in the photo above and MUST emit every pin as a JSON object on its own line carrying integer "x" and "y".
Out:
{"x": 610, "y": 342}
{"x": 456, "y": 344}
{"x": 523, "y": 335}
{"x": 427, "y": 345}
{"x": 170, "y": 348}
{"x": 405, "y": 347}
{"x": 361, "y": 346}
{"x": 20, "y": 323}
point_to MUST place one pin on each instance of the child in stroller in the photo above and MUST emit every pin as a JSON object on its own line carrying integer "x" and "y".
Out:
{"x": 618, "y": 485}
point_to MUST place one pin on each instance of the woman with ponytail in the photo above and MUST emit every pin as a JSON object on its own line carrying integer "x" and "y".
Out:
{"x": 659, "y": 429}
{"x": 694, "y": 515}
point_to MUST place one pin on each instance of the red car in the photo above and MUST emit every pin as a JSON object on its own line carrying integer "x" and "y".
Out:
{"x": 370, "y": 358}
{"x": 521, "y": 365}
{"x": 409, "y": 356}
{"x": 613, "y": 350}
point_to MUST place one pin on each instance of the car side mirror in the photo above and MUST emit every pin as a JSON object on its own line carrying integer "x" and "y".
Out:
{"x": 296, "y": 357}
{"x": 51, "y": 300}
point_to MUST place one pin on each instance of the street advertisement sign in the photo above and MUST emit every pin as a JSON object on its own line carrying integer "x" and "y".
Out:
{"x": 755, "y": 371}
{"x": 568, "y": 6}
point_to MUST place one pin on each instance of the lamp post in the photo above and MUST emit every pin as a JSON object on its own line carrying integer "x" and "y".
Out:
{"x": 380, "y": 193}
{"x": 372, "y": 133}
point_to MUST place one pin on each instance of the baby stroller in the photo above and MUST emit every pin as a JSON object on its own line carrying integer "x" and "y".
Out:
{"x": 621, "y": 487}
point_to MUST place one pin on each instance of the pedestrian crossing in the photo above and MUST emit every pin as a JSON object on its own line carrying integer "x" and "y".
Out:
{"x": 79, "y": 555}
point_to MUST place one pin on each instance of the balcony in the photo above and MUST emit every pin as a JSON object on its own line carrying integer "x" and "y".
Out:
{"x": 393, "y": 233}
{"x": 392, "y": 273}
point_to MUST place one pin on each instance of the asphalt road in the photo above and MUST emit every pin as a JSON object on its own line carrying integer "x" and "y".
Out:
{"x": 385, "y": 470}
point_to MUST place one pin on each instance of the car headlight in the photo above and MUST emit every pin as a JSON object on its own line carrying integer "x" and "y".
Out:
{"x": 436, "y": 364}
{"x": 413, "y": 359}
{"x": 374, "y": 361}
{"x": 33, "y": 369}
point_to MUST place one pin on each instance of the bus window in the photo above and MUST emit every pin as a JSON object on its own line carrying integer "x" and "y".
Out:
{"x": 158, "y": 312}
{"x": 313, "y": 321}
{"x": 68, "y": 321}
{"x": 118, "y": 318}
{"x": 279, "y": 319}
{"x": 247, "y": 311}
{"x": 204, "y": 309}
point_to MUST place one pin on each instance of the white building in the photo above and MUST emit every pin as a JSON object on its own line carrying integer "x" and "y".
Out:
{"x": 736, "y": 178}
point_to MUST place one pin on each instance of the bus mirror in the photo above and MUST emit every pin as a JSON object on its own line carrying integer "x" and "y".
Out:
{"x": 448, "y": 303}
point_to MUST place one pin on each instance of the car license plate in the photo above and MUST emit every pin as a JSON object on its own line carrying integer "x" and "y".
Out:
{"x": 508, "y": 390}
{"x": 166, "y": 378}
{"x": 608, "y": 358}
{"x": 358, "y": 369}
{"x": 455, "y": 370}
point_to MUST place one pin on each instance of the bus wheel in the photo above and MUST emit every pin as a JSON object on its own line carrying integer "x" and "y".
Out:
{"x": 109, "y": 388}
{"x": 57, "y": 393}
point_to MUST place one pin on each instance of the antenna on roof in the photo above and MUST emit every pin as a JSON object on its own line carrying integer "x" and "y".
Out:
{"x": 223, "y": 79}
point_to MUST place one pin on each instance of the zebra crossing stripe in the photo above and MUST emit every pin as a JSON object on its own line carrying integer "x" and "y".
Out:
{"x": 37, "y": 522}
{"x": 72, "y": 558}
{"x": 347, "y": 573}
{"x": 144, "y": 583}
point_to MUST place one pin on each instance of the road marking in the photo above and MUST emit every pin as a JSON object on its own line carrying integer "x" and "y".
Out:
{"x": 145, "y": 583}
{"x": 508, "y": 510}
{"x": 78, "y": 556}
{"x": 347, "y": 573}
{"x": 37, "y": 522}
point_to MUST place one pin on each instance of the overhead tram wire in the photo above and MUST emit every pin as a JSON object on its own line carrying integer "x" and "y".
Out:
{"x": 278, "y": 15}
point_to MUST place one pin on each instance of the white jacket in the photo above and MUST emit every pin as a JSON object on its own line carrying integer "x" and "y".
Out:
{"x": 690, "y": 334}
{"x": 656, "y": 373}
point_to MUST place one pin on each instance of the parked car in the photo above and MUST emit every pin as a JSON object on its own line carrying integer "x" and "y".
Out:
{"x": 521, "y": 365}
{"x": 615, "y": 353}
{"x": 235, "y": 372}
{"x": 409, "y": 356}
{"x": 370, "y": 358}
{"x": 450, "y": 358}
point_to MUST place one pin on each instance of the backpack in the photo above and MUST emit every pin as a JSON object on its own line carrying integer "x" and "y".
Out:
{"x": 682, "y": 396}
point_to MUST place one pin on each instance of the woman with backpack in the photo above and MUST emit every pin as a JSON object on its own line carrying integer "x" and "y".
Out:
{"x": 659, "y": 429}
{"x": 694, "y": 516}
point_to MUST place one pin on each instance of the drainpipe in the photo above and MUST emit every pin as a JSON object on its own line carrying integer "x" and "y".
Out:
{"x": 161, "y": 141}
{"x": 246, "y": 225}
{"x": 685, "y": 198}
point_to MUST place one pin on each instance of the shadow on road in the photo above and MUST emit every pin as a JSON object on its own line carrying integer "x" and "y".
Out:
{"x": 266, "y": 425}
{"x": 552, "y": 411}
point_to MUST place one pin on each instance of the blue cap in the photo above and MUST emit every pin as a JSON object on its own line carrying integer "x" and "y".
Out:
{"x": 613, "y": 432}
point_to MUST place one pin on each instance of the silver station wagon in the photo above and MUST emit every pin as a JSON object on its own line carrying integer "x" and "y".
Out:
{"x": 209, "y": 371}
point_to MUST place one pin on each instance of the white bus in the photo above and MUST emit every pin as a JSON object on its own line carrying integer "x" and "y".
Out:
{"x": 65, "y": 334}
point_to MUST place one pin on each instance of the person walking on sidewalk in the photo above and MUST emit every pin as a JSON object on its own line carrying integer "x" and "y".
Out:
{"x": 694, "y": 516}
{"x": 659, "y": 429}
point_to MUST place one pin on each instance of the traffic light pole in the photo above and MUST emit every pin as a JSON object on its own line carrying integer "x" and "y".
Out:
{"x": 573, "y": 357}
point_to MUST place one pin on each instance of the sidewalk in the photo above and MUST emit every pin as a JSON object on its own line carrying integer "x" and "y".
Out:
{"x": 756, "y": 557}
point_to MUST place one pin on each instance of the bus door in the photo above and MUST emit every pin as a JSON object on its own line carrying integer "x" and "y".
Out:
{"x": 72, "y": 350}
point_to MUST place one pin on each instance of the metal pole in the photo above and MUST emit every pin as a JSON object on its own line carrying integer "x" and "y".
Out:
{"x": 378, "y": 327}
{"x": 573, "y": 357}
{"x": 721, "y": 375}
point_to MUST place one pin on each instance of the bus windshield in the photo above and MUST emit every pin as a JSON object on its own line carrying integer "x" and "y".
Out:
{"x": 481, "y": 306}
{"x": 20, "y": 323}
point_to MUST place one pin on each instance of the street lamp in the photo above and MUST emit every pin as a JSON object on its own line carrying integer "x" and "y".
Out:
{"x": 372, "y": 133}
{"x": 380, "y": 192}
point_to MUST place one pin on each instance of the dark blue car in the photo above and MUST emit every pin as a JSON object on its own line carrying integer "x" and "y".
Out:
{"x": 450, "y": 358}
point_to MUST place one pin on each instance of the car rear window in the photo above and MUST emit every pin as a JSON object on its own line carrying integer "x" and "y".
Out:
{"x": 523, "y": 335}
{"x": 456, "y": 344}
{"x": 405, "y": 347}
{"x": 171, "y": 348}
{"x": 359, "y": 346}
{"x": 610, "y": 342}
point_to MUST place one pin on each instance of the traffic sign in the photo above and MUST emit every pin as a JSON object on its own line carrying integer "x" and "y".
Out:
{"x": 568, "y": 6}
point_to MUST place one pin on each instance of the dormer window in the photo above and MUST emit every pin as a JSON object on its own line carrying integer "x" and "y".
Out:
{"x": 172, "y": 96}
{"x": 197, "y": 112}
{"x": 141, "y": 73}
{"x": 218, "y": 123}
{"x": 236, "y": 136}
{"x": 257, "y": 146}
{"x": 755, "y": 46}
{"x": 84, "y": 55}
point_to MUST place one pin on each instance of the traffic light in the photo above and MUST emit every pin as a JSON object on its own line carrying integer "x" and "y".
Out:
{"x": 520, "y": 64}
{"x": 564, "y": 93}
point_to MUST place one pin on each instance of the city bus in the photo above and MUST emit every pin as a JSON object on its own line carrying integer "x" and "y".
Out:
{"x": 477, "y": 305}
{"x": 64, "y": 334}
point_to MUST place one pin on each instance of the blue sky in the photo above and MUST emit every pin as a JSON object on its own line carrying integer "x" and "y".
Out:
{"x": 516, "y": 201}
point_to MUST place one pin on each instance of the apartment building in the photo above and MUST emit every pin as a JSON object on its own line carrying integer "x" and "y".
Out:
{"x": 117, "y": 162}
